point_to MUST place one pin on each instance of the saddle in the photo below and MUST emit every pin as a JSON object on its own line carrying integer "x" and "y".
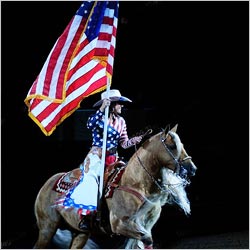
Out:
{"x": 112, "y": 176}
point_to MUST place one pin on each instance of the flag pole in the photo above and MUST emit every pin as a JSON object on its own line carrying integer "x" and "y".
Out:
{"x": 105, "y": 128}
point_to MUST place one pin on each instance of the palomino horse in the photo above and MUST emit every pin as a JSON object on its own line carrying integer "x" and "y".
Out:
{"x": 149, "y": 181}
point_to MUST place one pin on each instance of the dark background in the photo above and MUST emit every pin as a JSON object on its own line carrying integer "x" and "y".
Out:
{"x": 180, "y": 62}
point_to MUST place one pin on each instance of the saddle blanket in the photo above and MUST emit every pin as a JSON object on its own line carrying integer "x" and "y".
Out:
{"x": 67, "y": 181}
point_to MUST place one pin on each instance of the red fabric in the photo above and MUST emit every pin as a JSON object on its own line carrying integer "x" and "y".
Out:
{"x": 80, "y": 212}
{"x": 110, "y": 159}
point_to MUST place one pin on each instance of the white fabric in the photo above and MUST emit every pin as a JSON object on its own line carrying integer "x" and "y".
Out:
{"x": 86, "y": 191}
{"x": 113, "y": 95}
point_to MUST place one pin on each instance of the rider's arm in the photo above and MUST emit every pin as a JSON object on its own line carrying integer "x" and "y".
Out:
{"x": 97, "y": 118}
{"x": 125, "y": 142}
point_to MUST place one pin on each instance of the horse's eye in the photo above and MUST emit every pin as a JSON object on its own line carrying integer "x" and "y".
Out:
{"x": 172, "y": 146}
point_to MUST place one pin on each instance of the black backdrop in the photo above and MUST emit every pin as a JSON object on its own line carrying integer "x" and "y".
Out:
{"x": 180, "y": 62}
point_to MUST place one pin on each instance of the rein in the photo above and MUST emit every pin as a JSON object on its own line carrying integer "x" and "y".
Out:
{"x": 162, "y": 189}
{"x": 151, "y": 176}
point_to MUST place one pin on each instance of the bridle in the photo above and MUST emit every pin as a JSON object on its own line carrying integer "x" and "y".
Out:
{"x": 163, "y": 187}
{"x": 178, "y": 163}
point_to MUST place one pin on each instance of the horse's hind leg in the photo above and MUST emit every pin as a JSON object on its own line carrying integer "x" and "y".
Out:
{"x": 44, "y": 238}
{"x": 47, "y": 229}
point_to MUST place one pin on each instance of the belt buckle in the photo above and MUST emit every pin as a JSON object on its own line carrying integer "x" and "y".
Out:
{"x": 112, "y": 150}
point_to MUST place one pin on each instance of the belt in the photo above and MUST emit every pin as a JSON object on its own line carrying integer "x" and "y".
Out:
{"x": 111, "y": 151}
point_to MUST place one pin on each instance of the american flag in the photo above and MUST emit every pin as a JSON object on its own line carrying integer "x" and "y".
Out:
{"x": 80, "y": 64}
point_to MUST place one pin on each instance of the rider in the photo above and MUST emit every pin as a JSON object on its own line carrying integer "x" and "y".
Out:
{"x": 85, "y": 195}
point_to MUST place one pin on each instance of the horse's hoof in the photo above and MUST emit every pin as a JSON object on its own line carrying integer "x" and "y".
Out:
{"x": 148, "y": 247}
{"x": 141, "y": 246}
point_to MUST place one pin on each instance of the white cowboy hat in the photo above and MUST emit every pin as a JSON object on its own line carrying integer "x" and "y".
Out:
{"x": 114, "y": 96}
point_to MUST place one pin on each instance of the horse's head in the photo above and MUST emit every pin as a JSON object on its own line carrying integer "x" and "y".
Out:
{"x": 176, "y": 158}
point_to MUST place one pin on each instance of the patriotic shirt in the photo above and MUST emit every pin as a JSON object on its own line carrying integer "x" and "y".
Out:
{"x": 116, "y": 131}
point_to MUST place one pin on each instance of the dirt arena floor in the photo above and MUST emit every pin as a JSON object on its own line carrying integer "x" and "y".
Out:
{"x": 182, "y": 240}
{"x": 232, "y": 240}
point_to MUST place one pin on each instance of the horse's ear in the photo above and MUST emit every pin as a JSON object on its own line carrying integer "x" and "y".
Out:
{"x": 167, "y": 134}
{"x": 167, "y": 128}
{"x": 174, "y": 129}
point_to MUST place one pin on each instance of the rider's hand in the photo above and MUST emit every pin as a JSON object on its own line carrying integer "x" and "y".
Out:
{"x": 105, "y": 103}
{"x": 138, "y": 139}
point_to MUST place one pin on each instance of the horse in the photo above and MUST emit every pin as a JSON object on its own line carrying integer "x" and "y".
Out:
{"x": 151, "y": 178}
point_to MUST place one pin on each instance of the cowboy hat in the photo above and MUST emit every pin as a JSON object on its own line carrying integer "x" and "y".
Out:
{"x": 114, "y": 96}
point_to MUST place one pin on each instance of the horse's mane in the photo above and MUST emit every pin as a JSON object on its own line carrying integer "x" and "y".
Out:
{"x": 177, "y": 142}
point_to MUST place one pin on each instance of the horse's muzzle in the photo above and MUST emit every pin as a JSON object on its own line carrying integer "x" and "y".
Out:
{"x": 189, "y": 169}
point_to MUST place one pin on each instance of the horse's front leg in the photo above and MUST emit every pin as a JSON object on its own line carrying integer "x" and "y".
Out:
{"x": 79, "y": 240}
{"x": 146, "y": 217}
{"x": 131, "y": 229}
{"x": 139, "y": 225}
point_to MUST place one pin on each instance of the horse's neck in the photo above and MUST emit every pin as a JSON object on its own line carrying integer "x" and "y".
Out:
{"x": 136, "y": 173}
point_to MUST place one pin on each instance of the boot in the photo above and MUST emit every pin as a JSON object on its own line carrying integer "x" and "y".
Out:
{"x": 86, "y": 222}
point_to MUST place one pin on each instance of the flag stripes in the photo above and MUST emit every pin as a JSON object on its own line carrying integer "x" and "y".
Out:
{"x": 78, "y": 65}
